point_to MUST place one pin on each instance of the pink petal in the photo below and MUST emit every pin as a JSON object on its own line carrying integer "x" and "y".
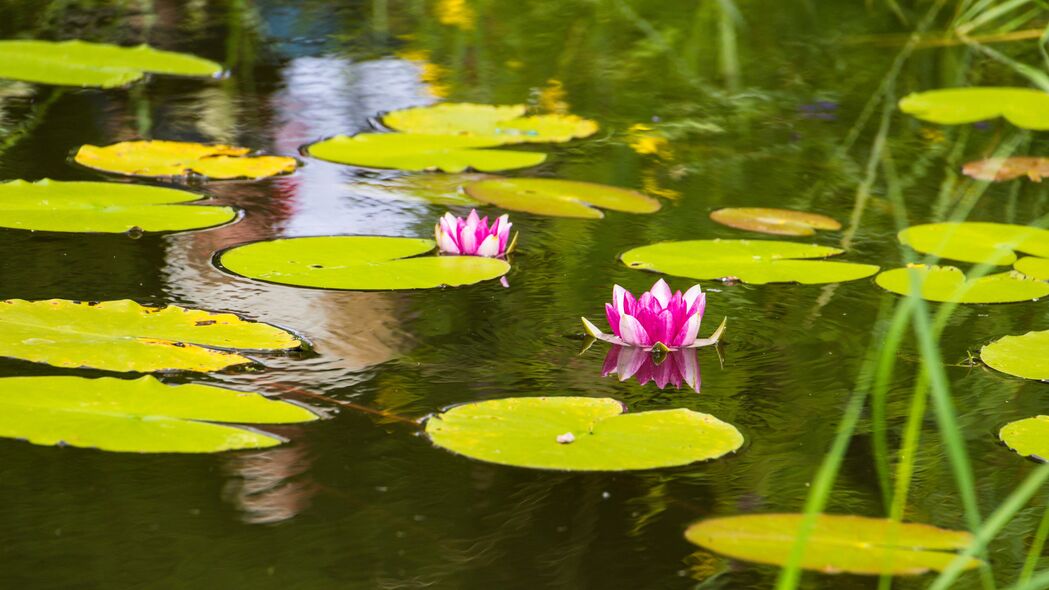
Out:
{"x": 446, "y": 244}
{"x": 472, "y": 219}
{"x": 613, "y": 318}
{"x": 662, "y": 293}
{"x": 489, "y": 247}
{"x": 632, "y": 332}
{"x": 692, "y": 295}
{"x": 688, "y": 332}
{"x": 468, "y": 241}
{"x": 618, "y": 297}
{"x": 663, "y": 329}
{"x": 663, "y": 373}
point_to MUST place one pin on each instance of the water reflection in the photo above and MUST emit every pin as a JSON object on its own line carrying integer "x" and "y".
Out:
{"x": 271, "y": 486}
{"x": 677, "y": 367}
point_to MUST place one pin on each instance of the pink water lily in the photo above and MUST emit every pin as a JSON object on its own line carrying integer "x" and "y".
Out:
{"x": 472, "y": 236}
{"x": 679, "y": 366}
{"x": 659, "y": 318}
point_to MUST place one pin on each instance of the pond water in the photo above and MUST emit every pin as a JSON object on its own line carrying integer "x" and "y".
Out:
{"x": 364, "y": 500}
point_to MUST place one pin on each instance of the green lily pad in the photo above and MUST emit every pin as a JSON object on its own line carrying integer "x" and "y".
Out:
{"x": 500, "y": 124}
{"x": 559, "y": 198}
{"x": 837, "y": 543}
{"x": 1025, "y": 356}
{"x": 580, "y": 434}
{"x": 1024, "y": 107}
{"x": 79, "y": 63}
{"x": 1035, "y": 268}
{"x": 141, "y": 415}
{"x": 782, "y": 222}
{"x": 359, "y": 263}
{"x": 750, "y": 261}
{"x": 948, "y": 284}
{"x": 51, "y": 205}
{"x": 975, "y": 241}
{"x": 436, "y": 189}
{"x": 162, "y": 159}
{"x": 408, "y": 151}
{"x": 125, "y": 336}
{"x": 1028, "y": 437}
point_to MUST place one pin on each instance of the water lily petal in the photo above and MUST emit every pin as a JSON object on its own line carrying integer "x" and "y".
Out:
{"x": 489, "y": 247}
{"x": 613, "y": 318}
{"x": 619, "y": 297}
{"x": 446, "y": 244}
{"x": 662, "y": 293}
{"x": 692, "y": 295}
{"x": 688, "y": 332}
{"x": 632, "y": 332}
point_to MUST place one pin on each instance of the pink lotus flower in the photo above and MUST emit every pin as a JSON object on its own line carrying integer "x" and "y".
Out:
{"x": 472, "y": 236}
{"x": 659, "y": 318}
{"x": 679, "y": 366}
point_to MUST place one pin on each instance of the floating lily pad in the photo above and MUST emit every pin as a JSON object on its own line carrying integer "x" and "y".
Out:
{"x": 580, "y": 434}
{"x": 125, "y": 336}
{"x": 783, "y": 222}
{"x": 948, "y": 283}
{"x": 750, "y": 261}
{"x": 1028, "y": 437}
{"x": 1023, "y": 107}
{"x": 404, "y": 151}
{"x": 437, "y": 189}
{"x": 559, "y": 198}
{"x": 360, "y": 263}
{"x": 51, "y": 205}
{"x": 975, "y": 241}
{"x": 1001, "y": 169}
{"x": 1035, "y": 268}
{"x": 158, "y": 159}
{"x": 837, "y": 543}
{"x": 501, "y": 124}
{"x": 141, "y": 415}
{"x": 1025, "y": 356}
{"x": 79, "y": 63}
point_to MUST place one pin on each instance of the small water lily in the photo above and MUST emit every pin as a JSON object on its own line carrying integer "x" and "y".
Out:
{"x": 677, "y": 367}
{"x": 659, "y": 319}
{"x": 472, "y": 236}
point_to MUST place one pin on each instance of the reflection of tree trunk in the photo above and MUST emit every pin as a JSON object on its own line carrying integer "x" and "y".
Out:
{"x": 266, "y": 485}
{"x": 350, "y": 331}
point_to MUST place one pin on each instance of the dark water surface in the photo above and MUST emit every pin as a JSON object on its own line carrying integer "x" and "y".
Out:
{"x": 361, "y": 501}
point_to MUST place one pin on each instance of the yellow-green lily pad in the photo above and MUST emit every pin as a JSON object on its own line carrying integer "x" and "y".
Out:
{"x": 140, "y": 416}
{"x": 1024, "y": 356}
{"x": 126, "y": 336}
{"x": 1024, "y": 107}
{"x": 80, "y": 63}
{"x": 359, "y": 263}
{"x": 417, "y": 152}
{"x": 161, "y": 159}
{"x": 977, "y": 241}
{"x": 837, "y": 543}
{"x": 501, "y": 124}
{"x": 559, "y": 198}
{"x": 782, "y": 222}
{"x": 106, "y": 207}
{"x": 1028, "y": 437}
{"x": 949, "y": 284}
{"x": 750, "y": 261}
{"x": 1035, "y": 268}
{"x": 580, "y": 434}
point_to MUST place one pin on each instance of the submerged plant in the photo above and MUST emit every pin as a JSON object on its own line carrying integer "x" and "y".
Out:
{"x": 473, "y": 236}
{"x": 659, "y": 319}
